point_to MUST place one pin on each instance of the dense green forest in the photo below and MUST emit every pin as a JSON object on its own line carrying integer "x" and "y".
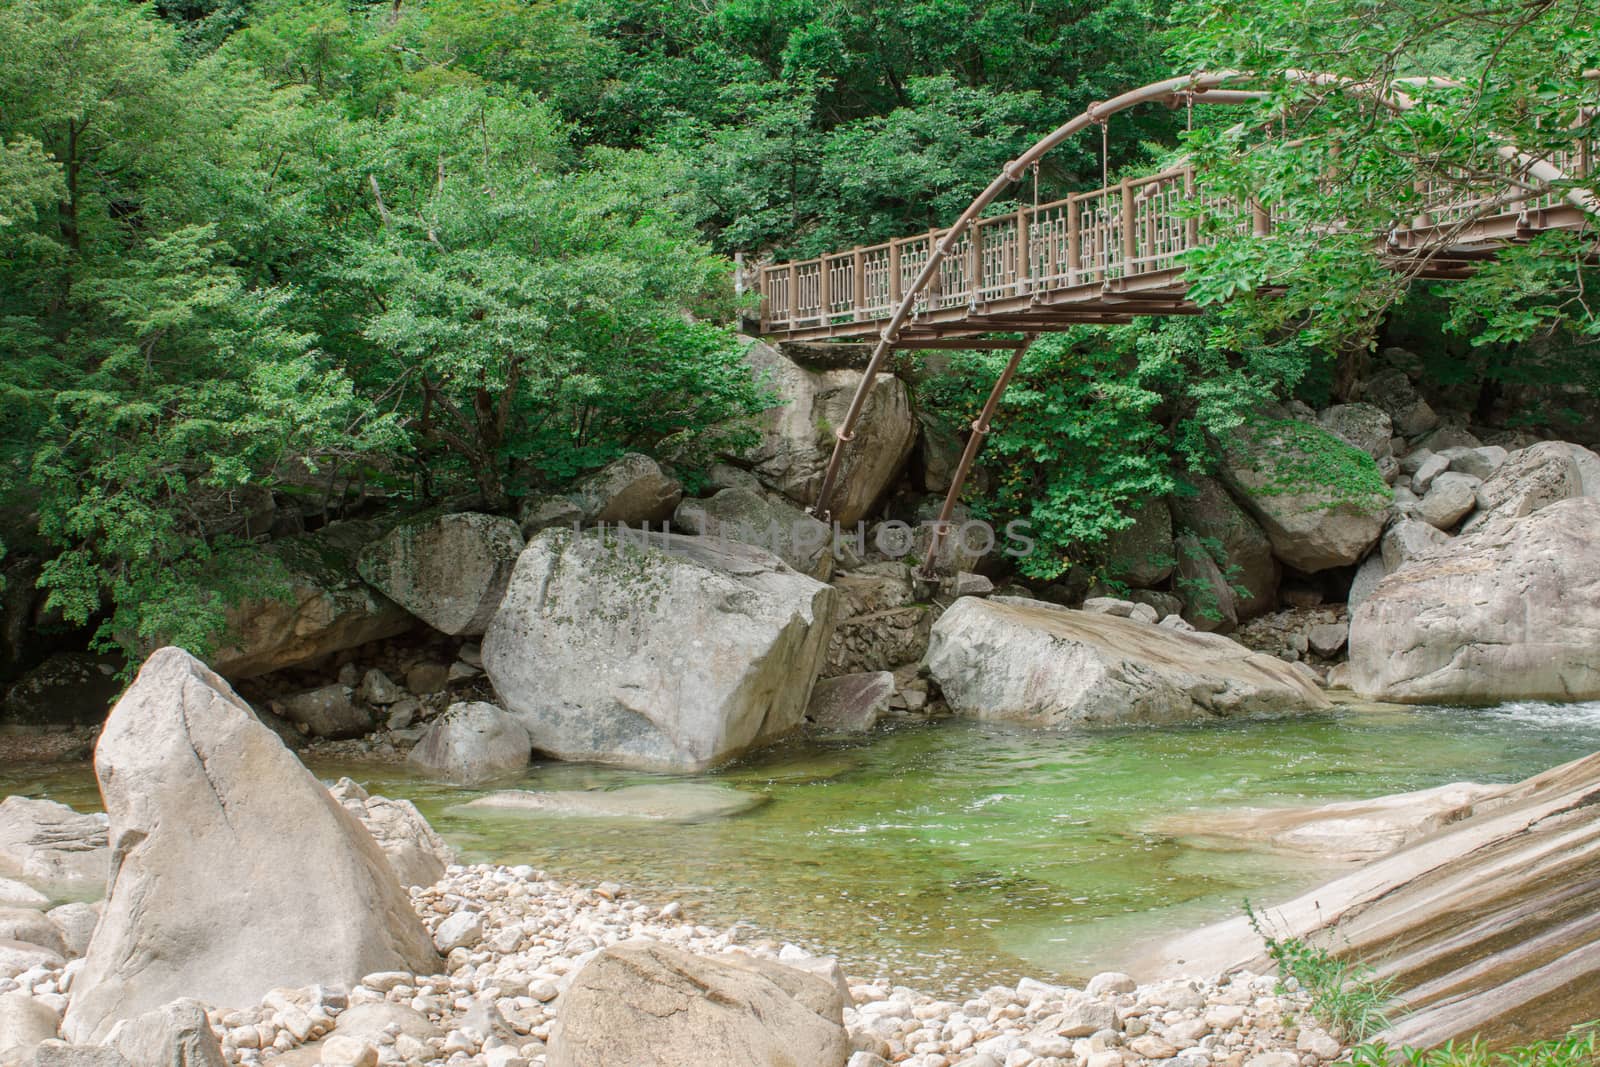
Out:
{"x": 427, "y": 248}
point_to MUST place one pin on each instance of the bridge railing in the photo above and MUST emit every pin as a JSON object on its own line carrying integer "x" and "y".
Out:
{"x": 1079, "y": 240}
{"x": 1139, "y": 226}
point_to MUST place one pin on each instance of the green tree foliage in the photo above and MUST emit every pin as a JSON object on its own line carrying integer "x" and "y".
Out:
{"x": 250, "y": 251}
{"x": 1419, "y": 104}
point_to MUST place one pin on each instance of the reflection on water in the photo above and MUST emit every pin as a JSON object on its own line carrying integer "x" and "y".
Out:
{"x": 952, "y": 855}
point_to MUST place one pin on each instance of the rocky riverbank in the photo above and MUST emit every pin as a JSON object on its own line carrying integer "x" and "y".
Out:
{"x": 514, "y": 941}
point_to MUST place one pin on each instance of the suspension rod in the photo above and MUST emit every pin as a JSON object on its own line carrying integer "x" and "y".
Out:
{"x": 980, "y": 430}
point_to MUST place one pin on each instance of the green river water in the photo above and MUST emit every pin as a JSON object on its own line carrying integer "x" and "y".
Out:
{"x": 953, "y": 855}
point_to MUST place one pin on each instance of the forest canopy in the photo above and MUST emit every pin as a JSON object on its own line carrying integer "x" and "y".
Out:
{"x": 427, "y": 248}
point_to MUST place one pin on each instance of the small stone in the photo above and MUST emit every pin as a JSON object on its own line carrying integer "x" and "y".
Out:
{"x": 1110, "y": 982}
{"x": 1109, "y": 605}
{"x": 426, "y": 679}
{"x": 1144, "y": 613}
{"x": 403, "y": 713}
{"x": 377, "y": 688}
{"x": 965, "y": 583}
{"x": 1319, "y": 1043}
{"x": 340, "y": 1051}
{"x": 1328, "y": 638}
{"x": 1152, "y": 1047}
{"x": 461, "y": 930}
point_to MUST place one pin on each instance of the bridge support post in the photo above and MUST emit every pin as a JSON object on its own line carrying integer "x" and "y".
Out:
{"x": 980, "y": 430}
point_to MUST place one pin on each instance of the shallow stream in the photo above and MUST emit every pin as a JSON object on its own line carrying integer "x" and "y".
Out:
{"x": 955, "y": 855}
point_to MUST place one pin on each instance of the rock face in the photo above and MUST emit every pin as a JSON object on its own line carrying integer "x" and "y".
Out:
{"x": 754, "y": 518}
{"x": 1508, "y": 612}
{"x": 226, "y": 854}
{"x": 52, "y": 848}
{"x": 1529, "y": 480}
{"x": 472, "y": 742}
{"x": 1041, "y": 665}
{"x": 1211, "y": 514}
{"x": 672, "y": 656}
{"x": 851, "y": 703}
{"x": 1209, "y": 603}
{"x": 417, "y": 854}
{"x": 797, "y": 435}
{"x": 1142, "y": 554}
{"x": 1368, "y": 428}
{"x": 174, "y": 1035}
{"x": 1280, "y": 472}
{"x": 450, "y": 571}
{"x": 632, "y": 490}
{"x": 1485, "y": 927}
{"x": 644, "y": 1002}
{"x": 328, "y": 609}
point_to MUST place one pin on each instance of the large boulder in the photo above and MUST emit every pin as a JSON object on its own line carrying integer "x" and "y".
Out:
{"x": 75, "y": 688}
{"x": 233, "y": 870}
{"x": 1368, "y": 428}
{"x": 766, "y": 521}
{"x": 450, "y": 571}
{"x": 1391, "y": 391}
{"x": 1528, "y": 480}
{"x": 472, "y": 742}
{"x": 329, "y": 711}
{"x": 660, "y": 652}
{"x": 797, "y": 435}
{"x": 327, "y": 607}
{"x": 52, "y": 848}
{"x": 1038, "y": 664}
{"x": 417, "y": 854}
{"x": 1508, "y": 612}
{"x": 1486, "y": 927}
{"x": 1208, "y": 600}
{"x": 851, "y": 703}
{"x": 1141, "y": 553}
{"x": 1321, "y": 501}
{"x": 641, "y": 1002}
{"x": 1204, "y": 508}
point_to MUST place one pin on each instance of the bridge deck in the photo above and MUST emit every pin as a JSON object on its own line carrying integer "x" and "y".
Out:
{"x": 1104, "y": 257}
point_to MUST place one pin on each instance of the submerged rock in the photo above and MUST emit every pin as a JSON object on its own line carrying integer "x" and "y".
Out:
{"x": 450, "y": 571}
{"x": 1349, "y": 830}
{"x": 670, "y": 655}
{"x": 233, "y": 870}
{"x": 645, "y": 1002}
{"x": 1508, "y": 612}
{"x": 1038, "y": 664}
{"x": 666, "y": 802}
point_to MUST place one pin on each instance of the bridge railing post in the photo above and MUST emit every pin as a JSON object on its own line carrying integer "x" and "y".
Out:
{"x": 1130, "y": 235}
{"x": 975, "y": 262}
{"x": 1024, "y": 251}
{"x": 764, "y": 307}
{"x": 1191, "y": 225}
{"x": 858, "y": 290}
{"x": 1074, "y": 240}
{"x": 824, "y": 289}
{"x": 1260, "y": 220}
{"x": 895, "y": 291}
